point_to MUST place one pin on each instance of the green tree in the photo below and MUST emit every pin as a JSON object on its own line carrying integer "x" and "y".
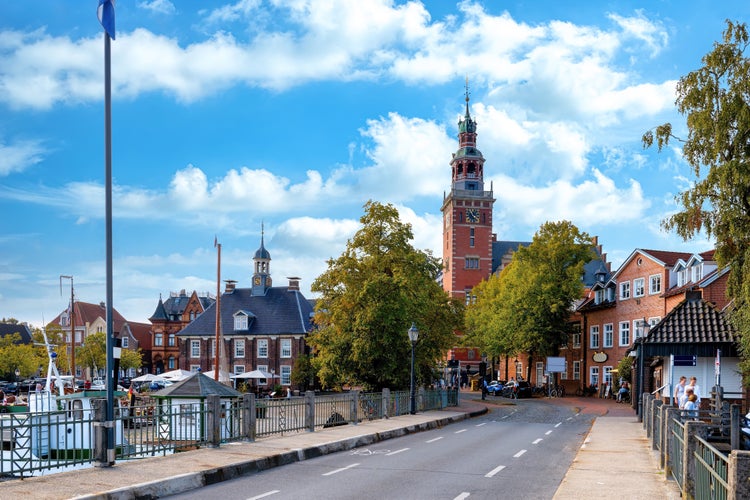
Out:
{"x": 26, "y": 358}
{"x": 130, "y": 359}
{"x": 527, "y": 307}
{"x": 303, "y": 372}
{"x": 714, "y": 99}
{"x": 370, "y": 296}
{"x": 93, "y": 353}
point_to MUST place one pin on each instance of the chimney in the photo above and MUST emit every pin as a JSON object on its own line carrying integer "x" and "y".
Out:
{"x": 293, "y": 284}
{"x": 230, "y": 286}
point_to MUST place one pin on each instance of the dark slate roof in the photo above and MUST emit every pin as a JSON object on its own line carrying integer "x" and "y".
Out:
{"x": 197, "y": 385}
{"x": 21, "y": 328}
{"x": 280, "y": 311}
{"x": 172, "y": 308}
{"x": 593, "y": 267}
{"x": 160, "y": 313}
{"x": 500, "y": 248}
{"x": 694, "y": 324}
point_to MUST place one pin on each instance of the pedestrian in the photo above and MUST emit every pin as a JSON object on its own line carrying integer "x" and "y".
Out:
{"x": 623, "y": 390}
{"x": 696, "y": 389}
{"x": 679, "y": 390}
{"x": 691, "y": 406}
{"x": 685, "y": 396}
{"x": 289, "y": 392}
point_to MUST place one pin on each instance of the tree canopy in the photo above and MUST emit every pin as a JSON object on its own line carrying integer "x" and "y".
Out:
{"x": 370, "y": 296}
{"x": 714, "y": 99}
{"x": 527, "y": 307}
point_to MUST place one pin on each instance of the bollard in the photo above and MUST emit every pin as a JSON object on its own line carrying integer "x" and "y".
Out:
{"x": 249, "y": 417}
{"x": 739, "y": 471}
{"x": 213, "y": 420}
{"x": 354, "y": 418}
{"x": 310, "y": 411}
{"x": 386, "y": 398}
{"x": 99, "y": 430}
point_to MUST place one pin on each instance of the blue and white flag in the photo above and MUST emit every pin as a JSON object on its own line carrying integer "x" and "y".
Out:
{"x": 106, "y": 14}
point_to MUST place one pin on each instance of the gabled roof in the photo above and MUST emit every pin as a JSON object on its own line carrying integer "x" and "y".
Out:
{"x": 501, "y": 248}
{"x": 87, "y": 313}
{"x": 695, "y": 325}
{"x": 141, "y": 332}
{"x": 280, "y": 311}
{"x": 661, "y": 257}
{"x": 197, "y": 385}
{"x": 172, "y": 308}
{"x": 20, "y": 328}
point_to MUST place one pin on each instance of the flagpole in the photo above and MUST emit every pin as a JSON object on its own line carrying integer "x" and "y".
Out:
{"x": 108, "y": 202}
{"x": 218, "y": 311}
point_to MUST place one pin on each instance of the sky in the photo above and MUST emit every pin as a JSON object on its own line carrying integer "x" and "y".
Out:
{"x": 289, "y": 115}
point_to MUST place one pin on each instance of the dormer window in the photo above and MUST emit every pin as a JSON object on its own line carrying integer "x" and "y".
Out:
{"x": 599, "y": 296}
{"x": 240, "y": 322}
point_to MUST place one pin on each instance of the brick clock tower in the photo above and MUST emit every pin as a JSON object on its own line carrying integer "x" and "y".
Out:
{"x": 467, "y": 216}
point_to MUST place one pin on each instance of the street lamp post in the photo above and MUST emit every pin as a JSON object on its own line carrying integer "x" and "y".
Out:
{"x": 18, "y": 374}
{"x": 413, "y": 336}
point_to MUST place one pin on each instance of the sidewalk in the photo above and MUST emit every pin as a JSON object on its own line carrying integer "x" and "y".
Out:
{"x": 605, "y": 466}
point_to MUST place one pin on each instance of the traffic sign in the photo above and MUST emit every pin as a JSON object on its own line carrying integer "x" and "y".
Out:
{"x": 681, "y": 360}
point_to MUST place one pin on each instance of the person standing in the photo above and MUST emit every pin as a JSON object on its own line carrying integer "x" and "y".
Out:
{"x": 679, "y": 390}
{"x": 696, "y": 389}
{"x": 691, "y": 406}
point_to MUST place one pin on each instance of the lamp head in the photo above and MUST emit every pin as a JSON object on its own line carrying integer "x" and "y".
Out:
{"x": 413, "y": 333}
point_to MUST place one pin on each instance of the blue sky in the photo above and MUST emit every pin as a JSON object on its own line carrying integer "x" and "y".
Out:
{"x": 293, "y": 113}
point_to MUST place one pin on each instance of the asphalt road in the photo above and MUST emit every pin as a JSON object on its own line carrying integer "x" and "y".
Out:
{"x": 520, "y": 449}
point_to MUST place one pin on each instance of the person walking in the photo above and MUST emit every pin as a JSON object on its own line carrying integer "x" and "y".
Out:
{"x": 679, "y": 390}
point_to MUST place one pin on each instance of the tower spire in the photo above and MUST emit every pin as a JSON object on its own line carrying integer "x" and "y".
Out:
{"x": 467, "y": 96}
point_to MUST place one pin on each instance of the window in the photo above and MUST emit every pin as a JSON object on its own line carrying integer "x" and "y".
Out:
{"x": 654, "y": 284}
{"x": 171, "y": 363}
{"x": 519, "y": 370}
{"x": 171, "y": 340}
{"x": 599, "y": 296}
{"x": 239, "y": 348}
{"x": 624, "y": 333}
{"x": 576, "y": 339}
{"x": 195, "y": 368}
{"x": 624, "y": 290}
{"x": 594, "y": 376}
{"x": 125, "y": 342}
{"x": 576, "y": 370}
{"x": 594, "y": 337}
{"x": 286, "y": 375}
{"x": 608, "y": 376}
{"x": 681, "y": 277}
{"x": 158, "y": 339}
{"x": 212, "y": 351}
{"x": 240, "y": 322}
{"x": 639, "y": 287}
{"x": 263, "y": 348}
{"x": 608, "y": 334}
{"x": 472, "y": 263}
{"x": 696, "y": 273}
{"x": 471, "y": 237}
{"x": 286, "y": 348}
{"x": 238, "y": 369}
{"x": 195, "y": 348}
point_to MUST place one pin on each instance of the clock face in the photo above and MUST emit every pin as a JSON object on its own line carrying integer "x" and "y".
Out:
{"x": 257, "y": 280}
{"x": 472, "y": 215}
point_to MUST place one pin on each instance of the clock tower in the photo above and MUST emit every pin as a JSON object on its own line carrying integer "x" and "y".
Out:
{"x": 262, "y": 268}
{"x": 467, "y": 216}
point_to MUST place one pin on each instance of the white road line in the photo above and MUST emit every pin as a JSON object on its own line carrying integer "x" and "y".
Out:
{"x": 480, "y": 425}
{"x": 339, "y": 470}
{"x": 494, "y": 471}
{"x": 434, "y": 439}
{"x": 394, "y": 452}
{"x": 264, "y": 495}
{"x": 558, "y": 425}
{"x": 462, "y": 496}
{"x": 537, "y": 441}
{"x": 519, "y": 453}
{"x": 459, "y": 432}
{"x": 548, "y": 433}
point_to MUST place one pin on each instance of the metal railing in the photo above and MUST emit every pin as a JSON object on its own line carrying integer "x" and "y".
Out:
{"x": 676, "y": 445}
{"x": 711, "y": 469}
{"x": 54, "y": 441}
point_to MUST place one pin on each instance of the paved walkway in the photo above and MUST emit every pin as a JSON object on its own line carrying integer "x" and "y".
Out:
{"x": 615, "y": 461}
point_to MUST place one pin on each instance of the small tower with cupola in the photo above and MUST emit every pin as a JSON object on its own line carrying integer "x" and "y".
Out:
{"x": 262, "y": 268}
{"x": 467, "y": 216}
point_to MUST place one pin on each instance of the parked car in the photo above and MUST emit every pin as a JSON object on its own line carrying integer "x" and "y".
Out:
{"x": 495, "y": 387}
{"x": 522, "y": 390}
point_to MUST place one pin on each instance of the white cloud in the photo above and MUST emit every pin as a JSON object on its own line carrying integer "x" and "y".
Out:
{"x": 652, "y": 34}
{"x": 158, "y": 6}
{"x": 19, "y": 156}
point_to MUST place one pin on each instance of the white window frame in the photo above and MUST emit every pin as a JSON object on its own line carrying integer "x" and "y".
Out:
{"x": 654, "y": 284}
{"x": 238, "y": 369}
{"x": 625, "y": 290}
{"x": 195, "y": 349}
{"x": 158, "y": 340}
{"x": 195, "y": 368}
{"x": 594, "y": 335}
{"x": 171, "y": 340}
{"x": 125, "y": 341}
{"x": 263, "y": 348}
{"x": 171, "y": 363}
{"x": 594, "y": 375}
{"x": 576, "y": 370}
{"x": 239, "y": 348}
{"x": 599, "y": 296}
{"x": 608, "y": 339}
{"x": 286, "y": 348}
{"x": 240, "y": 322}
{"x": 263, "y": 368}
{"x": 607, "y": 376}
{"x": 576, "y": 339}
{"x": 286, "y": 375}
{"x": 624, "y": 333}
{"x": 639, "y": 287}
{"x": 212, "y": 349}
